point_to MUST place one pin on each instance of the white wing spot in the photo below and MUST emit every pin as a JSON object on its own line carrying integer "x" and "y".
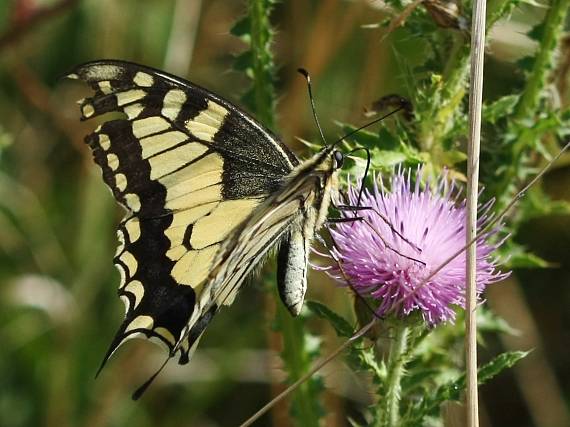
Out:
{"x": 143, "y": 79}
{"x": 121, "y": 181}
{"x": 172, "y": 103}
{"x": 112, "y": 161}
{"x": 129, "y": 96}
{"x": 88, "y": 110}
{"x": 133, "y": 110}
{"x": 104, "y": 141}
{"x": 133, "y": 202}
{"x": 103, "y": 72}
{"x": 105, "y": 87}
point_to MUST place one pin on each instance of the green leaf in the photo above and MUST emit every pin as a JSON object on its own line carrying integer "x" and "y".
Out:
{"x": 242, "y": 28}
{"x": 364, "y": 359}
{"x": 537, "y": 32}
{"x": 418, "y": 379}
{"x": 360, "y": 358}
{"x": 519, "y": 257}
{"x": 500, "y": 363}
{"x": 487, "y": 321}
{"x": 387, "y": 140}
{"x": 429, "y": 405}
{"x": 452, "y": 157}
{"x": 526, "y": 63}
{"x": 537, "y": 203}
{"x": 500, "y": 108}
{"x": 382, "y": 159}
{"x": 342, "y": 327}
{"x": 528, "y": 260}
{"x": 243, "y": 61}
{"x": 363, "y": 138}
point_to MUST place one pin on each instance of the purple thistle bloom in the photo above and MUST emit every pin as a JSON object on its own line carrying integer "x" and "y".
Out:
{"x": 391, "y": 267}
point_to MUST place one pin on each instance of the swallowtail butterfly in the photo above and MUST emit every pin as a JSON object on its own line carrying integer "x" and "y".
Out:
{"x": 208, "y": 192}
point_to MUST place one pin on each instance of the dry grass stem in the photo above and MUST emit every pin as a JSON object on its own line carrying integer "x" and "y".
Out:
{"x": 475, "y": 101}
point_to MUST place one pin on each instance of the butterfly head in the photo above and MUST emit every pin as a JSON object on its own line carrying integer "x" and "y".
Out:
{"x": 338, "y": 159}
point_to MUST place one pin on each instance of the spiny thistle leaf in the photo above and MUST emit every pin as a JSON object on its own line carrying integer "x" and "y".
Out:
{"x": 499, "y": 364}
{"x": 488, "y": 322}
{"x": 242, "y": 29}
{"x": 429, "y": 405}
{"x": 500, "y": 108}
{"x": 342, "y": 327}
{"x": 519, "y": 257}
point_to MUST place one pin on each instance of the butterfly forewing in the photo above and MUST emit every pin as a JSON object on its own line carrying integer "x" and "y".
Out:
{"x": 189, "y": 167}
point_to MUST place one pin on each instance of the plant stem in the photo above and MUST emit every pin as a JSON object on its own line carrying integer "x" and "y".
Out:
{"x": 297, "y": 354}
{"x": 475, "y": 103}
{"x": 390, "y": 409}
{"x": 447, "y": 98}
{"x": 529, "y": 103}
{"x": 552, "y": 27}
{"x": 263, "y": 68}
{"x": 297, "y": 358}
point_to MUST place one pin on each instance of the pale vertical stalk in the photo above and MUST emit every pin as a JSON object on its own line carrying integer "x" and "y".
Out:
{"x": 475, "y": 100}
{"x": 182, "y": 38}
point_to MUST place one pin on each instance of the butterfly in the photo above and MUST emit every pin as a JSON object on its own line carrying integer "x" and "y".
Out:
{"x": 208, "y": 192}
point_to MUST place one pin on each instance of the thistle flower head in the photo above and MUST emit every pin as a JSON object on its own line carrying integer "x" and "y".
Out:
{"x": 408, "y": 234}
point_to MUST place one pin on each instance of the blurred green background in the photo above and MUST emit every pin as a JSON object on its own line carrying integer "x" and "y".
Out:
{"x": 58, "y": 304}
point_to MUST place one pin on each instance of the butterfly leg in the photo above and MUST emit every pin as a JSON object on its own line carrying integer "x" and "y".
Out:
{"x": 341, "y": 220}
{"x": 383, "y": 218}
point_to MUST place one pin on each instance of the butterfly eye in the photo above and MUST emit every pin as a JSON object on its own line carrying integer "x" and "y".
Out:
{"x": 339, "y": 159}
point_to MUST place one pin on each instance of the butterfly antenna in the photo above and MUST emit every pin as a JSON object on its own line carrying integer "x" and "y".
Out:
{"x": 140, "y": 391}
{"x": 305, "y": 74}
{"x": 368, "y": 160}
{"x": 379, "y": 119}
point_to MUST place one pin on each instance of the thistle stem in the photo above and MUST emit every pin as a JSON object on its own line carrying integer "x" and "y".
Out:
{"x": 390, "y": 409}
{"x": 263, "y": 68}
{"x": 529, "y": 103}
{"x": 553, "y": 27}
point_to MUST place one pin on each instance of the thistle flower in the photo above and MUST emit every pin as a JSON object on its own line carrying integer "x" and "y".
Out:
{"x": 389, "y": 261}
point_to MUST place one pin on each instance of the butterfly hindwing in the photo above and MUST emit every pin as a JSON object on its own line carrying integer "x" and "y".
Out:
{"x": 189, "y": 167}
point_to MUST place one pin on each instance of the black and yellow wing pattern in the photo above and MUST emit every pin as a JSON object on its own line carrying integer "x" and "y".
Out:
{"x": 208, "y": 192}
{"x": 188, "y": 167}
